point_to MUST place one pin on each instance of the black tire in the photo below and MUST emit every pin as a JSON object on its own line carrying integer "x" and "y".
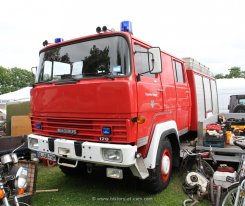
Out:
{"x": 239, "y": 109}
{"x": 158, "y": 179}
{"x": 229, "y": 195}
{"x": 69, "y": 171}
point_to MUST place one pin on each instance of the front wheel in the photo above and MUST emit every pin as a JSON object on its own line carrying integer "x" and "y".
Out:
{"x": 229, "y": 197}
{"x": 159, "y": 176}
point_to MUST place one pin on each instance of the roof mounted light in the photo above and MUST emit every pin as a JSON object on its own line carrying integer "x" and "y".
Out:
{"x": 58, "y": 40}
{"x": 45, "y": 43}
{"x": 98, "y": 29}
{"x": 104, "y": 28}
{"x": 127, "y": 26}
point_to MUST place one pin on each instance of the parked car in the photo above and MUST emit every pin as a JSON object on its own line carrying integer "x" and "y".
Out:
{"x": 237, "y": 104}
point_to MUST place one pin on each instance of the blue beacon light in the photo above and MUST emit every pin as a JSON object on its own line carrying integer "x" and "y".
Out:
{"x": 58, "y": 40}
{"x": 127, "y": 26}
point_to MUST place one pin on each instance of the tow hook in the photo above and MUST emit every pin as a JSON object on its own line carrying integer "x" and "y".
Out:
{"x": 89, "y": 168}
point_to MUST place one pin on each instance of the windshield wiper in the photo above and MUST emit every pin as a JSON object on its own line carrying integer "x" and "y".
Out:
{"x": 43, "y": 82}
{"x": 71, "y": 80}
{"x": 67, "y": 79}
{"x": 107, "y": 75}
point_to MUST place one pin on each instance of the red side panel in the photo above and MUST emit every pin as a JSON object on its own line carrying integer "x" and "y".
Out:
{"x": 193, "y": 116}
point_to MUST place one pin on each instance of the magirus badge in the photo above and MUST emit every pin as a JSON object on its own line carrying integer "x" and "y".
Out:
{"x": 67, "y": 131}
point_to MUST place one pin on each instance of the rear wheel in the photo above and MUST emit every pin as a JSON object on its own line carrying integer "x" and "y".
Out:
{"x": 159, "y": 177}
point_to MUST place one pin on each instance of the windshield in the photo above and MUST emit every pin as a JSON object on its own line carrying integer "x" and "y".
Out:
{"x": 89, "y": 59}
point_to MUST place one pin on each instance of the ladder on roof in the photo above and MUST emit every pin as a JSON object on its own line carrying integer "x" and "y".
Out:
{"x": 192, "y": 64}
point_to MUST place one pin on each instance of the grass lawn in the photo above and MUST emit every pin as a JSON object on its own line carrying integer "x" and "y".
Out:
{"x": 96, "y": 189}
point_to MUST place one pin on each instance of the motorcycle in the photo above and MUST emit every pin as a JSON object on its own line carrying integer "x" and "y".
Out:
{"x": 13, "y": 179}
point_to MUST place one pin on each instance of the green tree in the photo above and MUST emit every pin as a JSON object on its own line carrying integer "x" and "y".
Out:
{"x": 97, "y": 61}
{"x": 234, "y": 72}
{"x": 14, "y": 79}
{"x": 21, "y": 78}
{"x": 5, "y": 79}
{"x": 219, "y": 76}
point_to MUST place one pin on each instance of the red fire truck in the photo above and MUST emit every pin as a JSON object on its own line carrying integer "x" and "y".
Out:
{"x": 110, "y": 99}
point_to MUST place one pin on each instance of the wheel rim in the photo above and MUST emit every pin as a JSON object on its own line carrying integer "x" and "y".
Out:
{"x": 165, "y": 165}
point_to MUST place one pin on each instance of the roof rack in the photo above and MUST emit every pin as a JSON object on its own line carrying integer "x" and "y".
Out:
{"x": 192, "y": 64}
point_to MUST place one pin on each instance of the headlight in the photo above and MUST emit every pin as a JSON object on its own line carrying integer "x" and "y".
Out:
{"x": 112, "y": 155}
{"x": 33, "y": 143}
{"x": 20, "y": 179}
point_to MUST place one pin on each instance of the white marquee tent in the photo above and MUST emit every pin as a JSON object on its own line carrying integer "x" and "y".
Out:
{"x": 19, "y": 95}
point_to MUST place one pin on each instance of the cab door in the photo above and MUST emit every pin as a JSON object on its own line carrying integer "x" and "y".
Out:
{"x": 149, "y": 92}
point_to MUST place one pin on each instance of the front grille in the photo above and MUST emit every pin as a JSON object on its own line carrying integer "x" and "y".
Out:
{"x": 80, "y": 129}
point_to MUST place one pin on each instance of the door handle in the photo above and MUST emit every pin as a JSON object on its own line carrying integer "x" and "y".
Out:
{"x": 160, "y": 90}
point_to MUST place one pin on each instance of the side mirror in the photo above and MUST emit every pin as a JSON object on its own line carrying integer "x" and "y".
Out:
{"x": 155, "y": 60}
{"x": 34, "y": 70}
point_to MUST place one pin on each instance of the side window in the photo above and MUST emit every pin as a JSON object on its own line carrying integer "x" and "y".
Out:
{"x": 200, "y": 98}
{"x": 214, "y": 97}
{"x": 141, "y": 61}
{"x": 208, "y": 95}
{"x": 178, "y": 68}
{"x": 47, "y": 71}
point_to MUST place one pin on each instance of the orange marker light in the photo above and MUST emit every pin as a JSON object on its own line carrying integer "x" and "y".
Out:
{"x": 140, "y": 119}
{"x": 21, "y": 191}
{"x": 2, "y": 194}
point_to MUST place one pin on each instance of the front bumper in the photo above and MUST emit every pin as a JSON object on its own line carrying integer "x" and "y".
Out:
{"x": 90, "y": 151}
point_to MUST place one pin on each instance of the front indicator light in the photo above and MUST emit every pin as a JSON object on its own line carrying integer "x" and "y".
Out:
{"x": 33, "y": 143}
{"x": 63, "y": 151}
{"x": 112, "y": 155}
{"x": 140, "y": 119}
{"x": 21, "y": 191}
